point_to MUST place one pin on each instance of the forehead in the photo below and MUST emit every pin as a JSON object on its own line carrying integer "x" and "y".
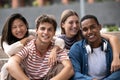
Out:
{"x": 17, "y": 20}
{"x": 88, "y": 22}
{"x": 73, "y": 17}
{"x": 46, "y": 25}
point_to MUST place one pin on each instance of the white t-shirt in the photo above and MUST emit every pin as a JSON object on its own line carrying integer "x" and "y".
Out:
{"x": 97, "y": 63}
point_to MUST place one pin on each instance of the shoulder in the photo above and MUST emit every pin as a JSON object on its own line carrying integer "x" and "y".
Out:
{"x": 78, "y": 44}
{"x": 5, "y": 43}
{"x": 61, "y": 36}
{"x": 31, "y": 44}
{"x": 106, "y": 44}
{"x": 77, "y": 48}
{"x": 32, "y": 32}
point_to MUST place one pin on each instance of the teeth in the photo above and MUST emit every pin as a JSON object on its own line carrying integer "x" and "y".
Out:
{"x": 91, "y": 36}
{"x": 19, "y": 33}
{"x": 45, "y": 36}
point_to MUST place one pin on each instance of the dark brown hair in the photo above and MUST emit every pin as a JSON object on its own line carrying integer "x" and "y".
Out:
{"x": 7, "y": 35}
{"x": 46, "y": 18}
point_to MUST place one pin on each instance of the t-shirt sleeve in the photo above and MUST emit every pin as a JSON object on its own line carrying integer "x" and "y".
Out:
{"x": 23, "y": 52}
{"x": 63, "y": 55}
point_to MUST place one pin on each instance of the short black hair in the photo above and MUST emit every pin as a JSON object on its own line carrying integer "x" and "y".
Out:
{"x": 89, "y": 17}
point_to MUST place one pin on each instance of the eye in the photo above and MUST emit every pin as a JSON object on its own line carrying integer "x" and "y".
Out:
{"x": 21, "y": 25}
{"x": 42, "y": 28}
{"x": 13, "y": 27}
{"x": 71, "y": 22}
{"x": 50, "y": 29}
{"x": 93, "y": 27}
{"x": 85, "y": 29}
{"x": 77, "y": 22}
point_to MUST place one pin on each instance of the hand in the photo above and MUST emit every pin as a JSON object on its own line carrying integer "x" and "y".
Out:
{"x": 52, "y": 58}
{"x": 54, "y": 78}
{"x": 95, "y": 79}
{"x": 30, "y": 37}
{"x": 115, "y": 65}
{"x": 25, "y": 40}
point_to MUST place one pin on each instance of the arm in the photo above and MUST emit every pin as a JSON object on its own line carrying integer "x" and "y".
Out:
{"x": 59, "y": 44}
{"x": 27, "y": 39}
{"x": 114, "y": 41}
{"x": 15, "y": 47}
{"x": 66, "y": 72}
{"x": 14, "y": 68}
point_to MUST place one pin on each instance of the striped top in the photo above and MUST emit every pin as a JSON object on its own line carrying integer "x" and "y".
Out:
{"x": 36, "y": 66}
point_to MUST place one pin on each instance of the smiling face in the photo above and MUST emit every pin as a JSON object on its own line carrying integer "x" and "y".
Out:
{"x": 45, "y": 32}
{"x": 91, "y": 30}
{"x": 71, "y": 26}
{"x": 18, "y": 28}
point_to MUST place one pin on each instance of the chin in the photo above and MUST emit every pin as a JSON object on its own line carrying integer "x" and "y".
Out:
{"x": 46, "y": 41}
{"x": 73, "y": 34}
{"x": 91, "y": 41}
{"x": 20, "y": 37}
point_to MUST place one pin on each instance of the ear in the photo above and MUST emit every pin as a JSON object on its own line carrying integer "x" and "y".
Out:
{"x": 36, "y": 31}
{"x": 62, "y": 25}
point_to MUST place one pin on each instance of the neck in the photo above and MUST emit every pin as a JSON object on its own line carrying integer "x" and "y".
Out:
{"x": 96, "y": 44}
{"x": 68, "y": 36}
{"x": 42, "y": 47}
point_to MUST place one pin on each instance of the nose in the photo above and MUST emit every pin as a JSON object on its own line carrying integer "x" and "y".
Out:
{"x": 89, "y": 30}
{"x": 18, "y": 28}
{"x": 46, "y": 31}
{"x": 75, "y": 25}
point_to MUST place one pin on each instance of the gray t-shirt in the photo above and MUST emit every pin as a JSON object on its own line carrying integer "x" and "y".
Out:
{"x": 97, "y": 63}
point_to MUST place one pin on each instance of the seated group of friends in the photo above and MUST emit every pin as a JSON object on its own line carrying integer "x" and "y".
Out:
{"x": 80, "y": 52}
